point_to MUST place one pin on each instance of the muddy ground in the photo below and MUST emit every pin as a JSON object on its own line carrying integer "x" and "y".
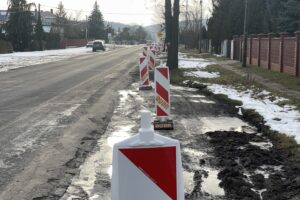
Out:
{"x": 224, "y": 157}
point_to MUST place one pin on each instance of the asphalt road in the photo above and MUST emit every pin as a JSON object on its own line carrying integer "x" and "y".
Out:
{"x": 46, "y": 110}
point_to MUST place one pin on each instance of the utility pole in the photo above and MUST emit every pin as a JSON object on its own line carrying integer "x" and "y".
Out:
{"x": 200, "y": 29}
{"x": 245, "y": 35}
{"x": 86, "y": 28}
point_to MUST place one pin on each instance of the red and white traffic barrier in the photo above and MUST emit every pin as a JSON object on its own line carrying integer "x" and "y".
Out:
{"x": 162, "y": 99}
{"x": 147, "y": 166}
{"x": 144, "y": 74}
{"x": 145, "y": 51}
{"x": 151, "y": 60}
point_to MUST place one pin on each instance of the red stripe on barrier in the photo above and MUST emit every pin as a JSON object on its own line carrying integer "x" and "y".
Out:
{"x": 152, "y": 60}
{"x": 142, "y": 59}
{"x": 162, "y": 92}
{"x": 164, "y": 72}
{"x": 160, "y": 112}
{"x": 146, "y": 82}
{"x": 158, "y": 164}
{"x": 144, "y": 71}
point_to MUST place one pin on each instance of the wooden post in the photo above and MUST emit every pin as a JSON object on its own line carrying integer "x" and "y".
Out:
{"x": 270, "y": 36}
{"x": 282, "y": 36}
{"x": 297, "y": 63}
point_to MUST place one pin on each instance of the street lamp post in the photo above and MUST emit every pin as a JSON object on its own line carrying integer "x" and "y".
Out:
{"x": 200, "y": 29}
{"x": 245, "y": 35}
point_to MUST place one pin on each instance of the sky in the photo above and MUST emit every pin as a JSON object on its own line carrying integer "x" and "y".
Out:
{"x": 124, "y": 11}
{"x": 139, "y": 12}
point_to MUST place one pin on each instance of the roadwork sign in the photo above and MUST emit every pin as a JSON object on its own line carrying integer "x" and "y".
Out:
{"x": 147, "y": 166}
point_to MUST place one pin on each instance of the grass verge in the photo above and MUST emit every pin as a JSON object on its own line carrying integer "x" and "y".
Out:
{"x": 287, "y": 144}
{"x": 289, "y": 81}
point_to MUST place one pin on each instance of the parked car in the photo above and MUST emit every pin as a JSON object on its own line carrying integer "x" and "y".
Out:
{"x": 98, "y": 45}
{"x": 89, "y": 44}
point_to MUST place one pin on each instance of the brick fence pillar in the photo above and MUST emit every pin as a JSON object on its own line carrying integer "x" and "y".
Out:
{"x": 297, "y": 63}
{"x": 282, "y": 36}
{"x": 259, "y": 47}
{"x": 270, "y": 36}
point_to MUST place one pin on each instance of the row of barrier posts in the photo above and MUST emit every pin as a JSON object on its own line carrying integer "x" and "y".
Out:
{"x": 148, "y": 166}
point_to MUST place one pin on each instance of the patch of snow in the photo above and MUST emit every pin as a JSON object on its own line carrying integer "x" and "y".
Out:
{"x": 262, "y": 145}
{"x": 188, "y": 63}
{"x": 69, "y": 111}
{"x": 212, "y": 124}
{"x": 289, "y": 116}
{"x": 121, "y": 133}
{"x": 211, "y": 183}
{"x": 179, "y": 88}
{"x": 23, "y": 59}
{"x": 3, "y": 165}
{"x": 202, "y": 74}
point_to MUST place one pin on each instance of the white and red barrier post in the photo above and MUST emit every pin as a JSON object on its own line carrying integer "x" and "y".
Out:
{"x": 151, "y": 54}
{"x": 144, "y": 74}
{"x": 162, "y": 99}
{"x": 147, "y": 166}
{"x": 145, "y": 51}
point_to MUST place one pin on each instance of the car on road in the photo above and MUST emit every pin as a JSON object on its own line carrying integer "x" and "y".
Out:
{"x": 89, "y": 44}
{"x": 98, "y": 45}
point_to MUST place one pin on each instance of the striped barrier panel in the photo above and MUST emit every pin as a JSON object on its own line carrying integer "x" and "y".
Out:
{"x": 147, "y": 166}
{"x": 144, "y": 74}
{"x": 162, "y": 99}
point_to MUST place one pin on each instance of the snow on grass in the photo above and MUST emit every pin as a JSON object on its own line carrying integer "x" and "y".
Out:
{"x": 202, "y": 74}
{"x": 198, "y": 64}
{"x": 190, "y": 63}
{"x": 289, "y": 117}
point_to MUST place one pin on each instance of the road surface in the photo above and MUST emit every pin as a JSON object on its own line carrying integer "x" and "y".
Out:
{"x": 48, "y": 110}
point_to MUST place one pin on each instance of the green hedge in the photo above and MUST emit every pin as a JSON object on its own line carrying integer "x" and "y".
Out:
{"x": 5, "y": 47}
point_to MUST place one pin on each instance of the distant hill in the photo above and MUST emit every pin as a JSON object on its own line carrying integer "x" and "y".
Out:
{"x": 151, "y": 29}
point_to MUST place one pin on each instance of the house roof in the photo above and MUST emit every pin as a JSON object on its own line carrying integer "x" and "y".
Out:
{"x": 47, "y": 14}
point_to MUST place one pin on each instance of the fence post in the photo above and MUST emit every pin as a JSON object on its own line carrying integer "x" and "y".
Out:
{"x": 241, "y": 48}
{"x": 270, "y": 36}
{"x": 250, "y": 49}
{"x": 234, "y": 47}
{"x": 297, "y": 64}
{"x": 259, "y": 48}
{"x": 282, "y": 36}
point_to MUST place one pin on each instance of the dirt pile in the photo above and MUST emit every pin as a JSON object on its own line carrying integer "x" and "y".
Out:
{"x": 253, "y": 168}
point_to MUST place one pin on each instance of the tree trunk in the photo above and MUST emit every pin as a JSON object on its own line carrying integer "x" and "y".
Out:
{"x": 168, "y": 22}
{"x": 174, "y": 43}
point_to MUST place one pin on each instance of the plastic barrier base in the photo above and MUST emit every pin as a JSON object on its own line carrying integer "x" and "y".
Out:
{"x": 146, "y": 87}
{"x": 166, "y": 125}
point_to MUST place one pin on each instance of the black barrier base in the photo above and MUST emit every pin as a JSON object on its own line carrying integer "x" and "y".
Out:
{"x": 167, "y": 125}
{"x": 146, "y": 87}
{"x": 151, "y": 75}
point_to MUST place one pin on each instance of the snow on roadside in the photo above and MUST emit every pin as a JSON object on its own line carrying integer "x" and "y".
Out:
{"x": 24, "y": 59}
{"x": 202, "y": 74}
{"x": 282, "y": 119}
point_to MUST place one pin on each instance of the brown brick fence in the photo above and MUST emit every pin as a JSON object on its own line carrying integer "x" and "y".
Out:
{"x": 280, "y": 54}
{"x": 73, "y": 43}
